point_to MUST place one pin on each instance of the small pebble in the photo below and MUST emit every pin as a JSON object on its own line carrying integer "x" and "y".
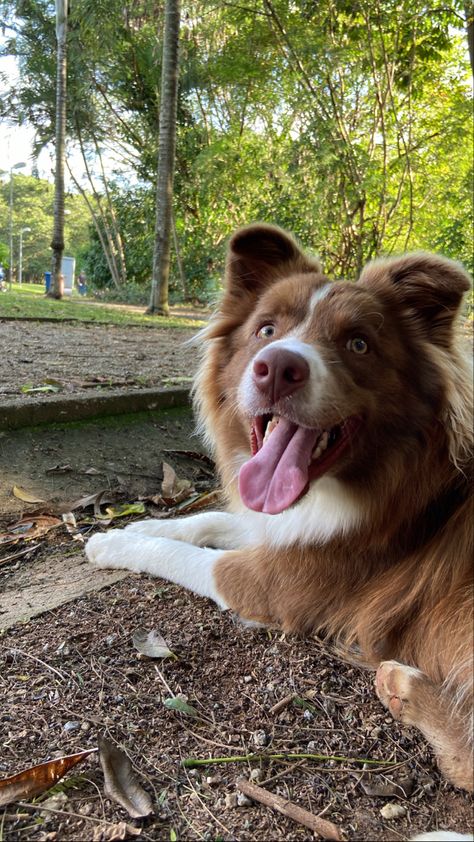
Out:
{"x": 256, "y": 775}
{"x": 71, "y": 726}
{"x": 260, "y": 738}
{"x": 247, "y": 679}
{"x": 243, "y": 801}
{"x": 230, "y": 800}
{"x": 393, "y": 811}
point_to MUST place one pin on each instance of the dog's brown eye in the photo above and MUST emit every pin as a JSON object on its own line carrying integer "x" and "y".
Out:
{"x": 357, "y": 345}
{"x": 266, "y": 332}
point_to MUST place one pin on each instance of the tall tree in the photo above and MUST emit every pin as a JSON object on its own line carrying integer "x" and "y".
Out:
{"x": 166, "y": 157}
{"x": 57, "y": 244}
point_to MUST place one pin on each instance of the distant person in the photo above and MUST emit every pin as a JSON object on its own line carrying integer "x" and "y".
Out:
{"x": 82, "y": 284}
{"x": 3, "y": 286}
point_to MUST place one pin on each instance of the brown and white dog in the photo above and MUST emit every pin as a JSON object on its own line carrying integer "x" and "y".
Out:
{"x": 341, "y": 419}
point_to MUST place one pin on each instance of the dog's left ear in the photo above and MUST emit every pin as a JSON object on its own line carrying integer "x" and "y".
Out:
{"x": 428, "y": 287}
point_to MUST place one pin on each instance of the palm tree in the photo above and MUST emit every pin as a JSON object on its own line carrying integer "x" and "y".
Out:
{"x": 57, "y": 243}
{"x": 166, "y": 155}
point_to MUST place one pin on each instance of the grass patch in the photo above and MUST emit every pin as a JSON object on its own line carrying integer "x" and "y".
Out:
{"x": 30, "y": 302}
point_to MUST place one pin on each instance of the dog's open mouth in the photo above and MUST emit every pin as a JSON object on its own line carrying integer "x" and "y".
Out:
{"x": 286, "y": 458}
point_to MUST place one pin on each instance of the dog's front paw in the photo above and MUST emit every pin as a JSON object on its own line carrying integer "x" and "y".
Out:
{"x": 153, "y": 527}
{"x": 108, "y": 549}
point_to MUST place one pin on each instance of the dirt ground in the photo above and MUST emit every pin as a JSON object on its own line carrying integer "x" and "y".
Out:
{"x": 72, "y": 675}
{"x": 74, "y": 358}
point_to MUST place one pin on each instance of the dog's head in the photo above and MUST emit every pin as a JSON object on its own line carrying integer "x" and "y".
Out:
{"x": 327, "y": 377}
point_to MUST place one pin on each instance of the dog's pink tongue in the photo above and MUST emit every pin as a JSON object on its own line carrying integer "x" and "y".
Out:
{"x": 278, "y": 474}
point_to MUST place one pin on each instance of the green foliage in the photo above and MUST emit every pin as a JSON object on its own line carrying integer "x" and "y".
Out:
{"x": 348, "y": 123}
{"x": 33, "y": 209}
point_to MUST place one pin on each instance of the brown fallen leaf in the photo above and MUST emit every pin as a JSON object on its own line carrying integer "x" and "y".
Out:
{"x": 115, "y": 832}
{"x": 151, "y": 644}
{"x": 38, "y": 779}
{"x": 88, "y": 500}
{"x": 26, "y": 496}
{"x": 173, "y": 490}
{"x": 29, "y": 527}
{"x": 199, "y": 501}
{"x": 121, "y": 782}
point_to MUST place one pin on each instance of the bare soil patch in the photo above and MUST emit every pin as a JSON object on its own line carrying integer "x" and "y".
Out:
{"x": 74, "y": 358}
{"x": 72, "y": 675}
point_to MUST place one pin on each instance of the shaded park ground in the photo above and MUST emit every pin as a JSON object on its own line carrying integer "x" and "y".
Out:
{"x": 71, "y": 675}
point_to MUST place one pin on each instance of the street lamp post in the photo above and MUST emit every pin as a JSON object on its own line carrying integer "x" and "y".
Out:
{"x": 20, "y": 260}
{"x": 17, "y": 166}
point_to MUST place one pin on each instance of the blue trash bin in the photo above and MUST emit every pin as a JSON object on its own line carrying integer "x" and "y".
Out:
{"x": 47, "y": 281}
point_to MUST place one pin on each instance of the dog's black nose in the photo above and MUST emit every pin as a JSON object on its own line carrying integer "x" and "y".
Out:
{"x": 278, "y": 372}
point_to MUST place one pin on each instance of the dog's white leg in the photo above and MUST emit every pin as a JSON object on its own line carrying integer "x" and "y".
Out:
{"x": 176, "y": 561}
{"x": 222, "y": 530}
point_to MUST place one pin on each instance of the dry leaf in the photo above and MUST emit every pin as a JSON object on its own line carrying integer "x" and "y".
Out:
{"x": 173, "y": 490}
{"x": 115, "y": 832}
{"x": 29, "y": 527}
{"x": 151, "y": 644}
{"x": 26, "y": 496}
{"x": 70, "y": 523}
{"x": 199, "y": 501}
{"x": 89, "y": 500}
{"x": 121, "y": 783}
{"x": 38, "y": 779}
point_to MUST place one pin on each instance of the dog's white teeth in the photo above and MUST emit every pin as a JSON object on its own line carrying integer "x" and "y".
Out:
{"x": 321, "y": 445}
{"x": 323, "y": 441}
{"x": 270, "y": 427}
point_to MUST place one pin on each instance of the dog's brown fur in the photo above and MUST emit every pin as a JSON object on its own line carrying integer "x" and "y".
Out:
{"x": 399, "y": 584}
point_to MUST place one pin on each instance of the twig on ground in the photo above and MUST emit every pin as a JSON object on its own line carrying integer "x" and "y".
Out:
{"x": 43, "y": 664}
{"x": 38, "y": 808}
{"x": 290, "y": 768}
{"x": 206, "y": 808}
{"x": 164, "y": 681}
{"x": 20, "y": 553}
{"x": 323, "y": 827}
{"x": 283, "y": 703}
{"x": 191, "y": 762}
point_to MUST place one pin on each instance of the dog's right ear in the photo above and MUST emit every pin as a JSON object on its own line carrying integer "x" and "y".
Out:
{"x": 260, "y": 254}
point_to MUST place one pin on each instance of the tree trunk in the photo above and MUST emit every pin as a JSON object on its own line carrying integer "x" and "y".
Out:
{"x": 469, "y": 12}
{"x": 166, "y": 155}
{"x": 57, "y": 244}
{"x": 177, "y": 252}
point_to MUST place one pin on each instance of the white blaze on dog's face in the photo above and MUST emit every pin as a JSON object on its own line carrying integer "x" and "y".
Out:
{"x": 300, "y": 390}
{"x": 330, "y": 378}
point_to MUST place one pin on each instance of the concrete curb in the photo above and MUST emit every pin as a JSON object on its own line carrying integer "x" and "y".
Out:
{"x": 18, "y": 412}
